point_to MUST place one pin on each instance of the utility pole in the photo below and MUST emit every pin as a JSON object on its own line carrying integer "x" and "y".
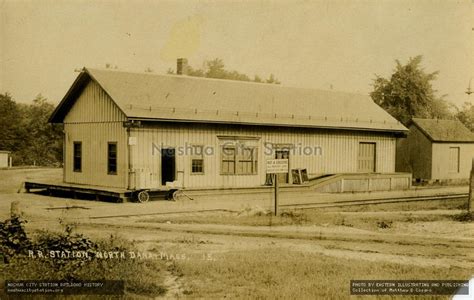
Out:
{"x": 469, "y": 91}
{"x": 470, "y": 202}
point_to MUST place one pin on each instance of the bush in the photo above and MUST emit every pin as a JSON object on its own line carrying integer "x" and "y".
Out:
{"x": 296, "y": 217}
{"x": 340, "y": 220}
{"x": 14, "y": 238}
{"x": 384, "y": 225}
{"x": 141, "y": 276}
{"x": 64, "y": 267}
{"x": 464, "y": 217}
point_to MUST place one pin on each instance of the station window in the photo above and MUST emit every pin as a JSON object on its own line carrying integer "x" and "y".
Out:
{"x": 112, "y": 158}
{"x": 197, "y": 159}
{"x": 228, "y": 160}
{"x": 238, "y": 159}
{"x": 77, "y": 156}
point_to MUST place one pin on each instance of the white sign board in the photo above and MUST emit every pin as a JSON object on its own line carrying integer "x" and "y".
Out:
{"x": 132, "y": 141}
{"x": 277, "y": 166}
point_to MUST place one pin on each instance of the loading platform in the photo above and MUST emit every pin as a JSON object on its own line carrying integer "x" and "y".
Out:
{"x": 323, "y": 183}
{"x": 101, "y": 193}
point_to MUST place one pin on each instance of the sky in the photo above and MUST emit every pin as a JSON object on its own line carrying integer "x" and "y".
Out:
{"x": 338, "y": 44}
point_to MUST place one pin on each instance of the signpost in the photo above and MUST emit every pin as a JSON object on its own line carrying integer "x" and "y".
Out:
{"x": 277, "y": 166}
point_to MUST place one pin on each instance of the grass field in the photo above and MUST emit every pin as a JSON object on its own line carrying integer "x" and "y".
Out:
{"x": 281, "y": 274}
{"x": 300, "y": 254}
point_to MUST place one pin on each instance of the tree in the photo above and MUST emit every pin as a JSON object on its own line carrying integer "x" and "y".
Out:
{"x": 466, "y": 115}
{"x": 44, "y": 139}
{"x": 272, "y": 79}
{"x": 215, "y": 68}
{"x": 11, "y": 130}
{"x": 409, "y": 93}
{"x": 27, "y": 133}
{"x": 110, "y": 66}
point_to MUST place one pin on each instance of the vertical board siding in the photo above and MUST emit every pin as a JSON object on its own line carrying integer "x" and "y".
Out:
{"x": 441, "y": 163}
{"x": 94, "y": 105}
{"x": 339, "y": 152}
{"x": 414, "y": 154}
{"x": 95, "y": 120}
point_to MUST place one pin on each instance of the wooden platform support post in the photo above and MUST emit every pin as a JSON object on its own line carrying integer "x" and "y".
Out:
{"x": 470, "y": 203}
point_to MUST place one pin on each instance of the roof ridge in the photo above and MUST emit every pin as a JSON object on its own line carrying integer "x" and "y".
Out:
{"x": 444, "y": 130}
{"x": 229, "y": 81}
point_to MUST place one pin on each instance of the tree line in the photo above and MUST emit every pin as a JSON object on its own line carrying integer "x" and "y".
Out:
{"x": 25, "y": 132}
{"x": 406, "y": 94}
{"x": 215, "y": 68}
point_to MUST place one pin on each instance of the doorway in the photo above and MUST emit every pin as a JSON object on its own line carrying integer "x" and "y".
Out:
{"x": 367, "y": 157}
{"x": 283, "y": 154}
{"x": 168, "y": 165}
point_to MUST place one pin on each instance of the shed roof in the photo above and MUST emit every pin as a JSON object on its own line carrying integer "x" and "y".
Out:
{"x": 184, "y": 98}
{"x": 444, "y": 130}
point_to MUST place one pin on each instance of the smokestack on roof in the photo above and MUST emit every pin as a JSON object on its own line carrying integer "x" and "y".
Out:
{"x": 182, "y": 66}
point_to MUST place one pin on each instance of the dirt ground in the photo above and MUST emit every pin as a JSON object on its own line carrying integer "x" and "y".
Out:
{"x": 419, "y": 234}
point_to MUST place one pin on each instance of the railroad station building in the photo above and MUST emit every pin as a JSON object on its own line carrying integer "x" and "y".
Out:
{"x": 147, "y": 131}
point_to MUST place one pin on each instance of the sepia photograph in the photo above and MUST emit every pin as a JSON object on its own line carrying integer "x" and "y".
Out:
{"x": 238, "y": 149}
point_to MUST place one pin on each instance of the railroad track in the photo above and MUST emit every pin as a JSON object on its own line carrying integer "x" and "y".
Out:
{"x": 308, "y": 205}
{"x": 373, "y": 201}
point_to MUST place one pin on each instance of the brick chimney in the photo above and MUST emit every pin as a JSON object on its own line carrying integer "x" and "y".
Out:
{"x": 182, "y": 66}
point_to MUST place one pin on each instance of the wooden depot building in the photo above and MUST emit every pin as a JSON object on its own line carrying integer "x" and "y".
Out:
{"x": 139, "y": 131}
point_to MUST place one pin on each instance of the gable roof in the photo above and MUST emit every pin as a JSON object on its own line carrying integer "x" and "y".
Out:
{"x": 189, "y": 99}
{"x": 444, "y": 130}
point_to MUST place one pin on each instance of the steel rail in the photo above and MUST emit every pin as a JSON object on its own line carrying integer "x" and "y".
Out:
{"x": 372, "y": 201}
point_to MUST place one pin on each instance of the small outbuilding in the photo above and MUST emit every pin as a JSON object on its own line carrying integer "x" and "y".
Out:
{"x": 436, "y": 150}
{"x": 5, "y": 159}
